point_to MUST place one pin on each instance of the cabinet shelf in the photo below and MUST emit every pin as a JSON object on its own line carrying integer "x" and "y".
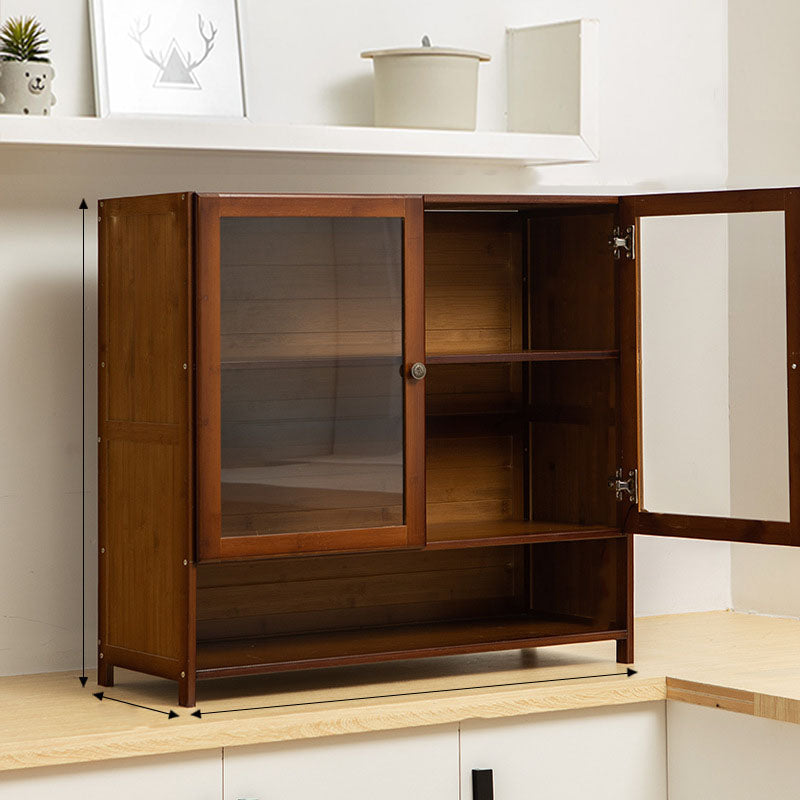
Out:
{"x": 522, "y": 355}
{"x": 315, "y": 361}
{"x": 334, "y": 648}
{"x": 446, "y": 535}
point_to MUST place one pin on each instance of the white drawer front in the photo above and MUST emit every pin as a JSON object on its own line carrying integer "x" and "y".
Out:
{"x": 189, "y": 776}
{"x": 604, "y": 754}
{"x": 420, "y": 763}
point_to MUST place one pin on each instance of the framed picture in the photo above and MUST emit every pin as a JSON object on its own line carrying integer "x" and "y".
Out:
{"x": 167, "y": 57}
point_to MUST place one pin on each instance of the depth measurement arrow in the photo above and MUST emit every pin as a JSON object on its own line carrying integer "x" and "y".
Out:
{"x": 83, "y": 208}
{"x": 628, "y": 672}
{"x": 169, "y": 714}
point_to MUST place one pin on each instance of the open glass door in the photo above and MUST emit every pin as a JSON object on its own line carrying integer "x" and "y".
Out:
{"x": 710, "y": 352}
{"x": 310, "y": 433}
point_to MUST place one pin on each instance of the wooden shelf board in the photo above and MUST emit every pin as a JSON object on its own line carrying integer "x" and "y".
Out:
{"x": 314, "y": 361}
{"x": 522, "y": 355}
{"x": 334, "y": 648}
{"x": 447, "y": 535}
{"x": 245, "y": 137}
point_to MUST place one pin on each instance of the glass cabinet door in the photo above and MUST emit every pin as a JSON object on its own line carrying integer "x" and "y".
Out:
{"x": 714, "y": 363}
{"x": 312, "y": 430}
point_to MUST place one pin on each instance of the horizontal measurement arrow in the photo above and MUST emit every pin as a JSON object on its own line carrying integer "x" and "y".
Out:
{"x": 628, "y": 672}
{"x": 169, "y": 714}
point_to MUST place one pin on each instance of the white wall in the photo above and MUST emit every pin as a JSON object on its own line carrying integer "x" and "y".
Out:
{"x": 676, "y": 576}
{"x": 759, "y": 414}
{"x": 764, "y": 108}
{"x": 664, "y": 102}
{"x": 684, "y": 302}
{"x": 764, "y": 141}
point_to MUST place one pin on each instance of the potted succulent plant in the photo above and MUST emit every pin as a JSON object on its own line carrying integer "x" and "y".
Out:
{"x": 26, "y": 76}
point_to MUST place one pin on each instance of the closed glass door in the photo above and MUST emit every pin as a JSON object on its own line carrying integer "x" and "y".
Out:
{"x": 314, "y": 376}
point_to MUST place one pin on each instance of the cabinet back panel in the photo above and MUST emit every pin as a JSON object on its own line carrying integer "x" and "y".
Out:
{"x": 581, "y": 579}
{"x": 473, "y": 282}
{"x": 572, "y": 282}
{"x": 340, "y": 592}
{"x": 473, "y": 473}
{"x": 573, "y": 442}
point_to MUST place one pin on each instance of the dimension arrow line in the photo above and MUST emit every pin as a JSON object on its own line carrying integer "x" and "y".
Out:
{"x": 169, "y": 714}
{"x": 83, "y": 208}
{"x": 199, "y": 713}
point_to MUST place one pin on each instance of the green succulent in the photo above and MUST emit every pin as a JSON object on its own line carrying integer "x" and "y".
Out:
{"x": 23, "y": 39}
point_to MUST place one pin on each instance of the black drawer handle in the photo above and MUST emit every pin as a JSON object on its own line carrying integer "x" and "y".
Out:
{"x": 482, "y": 784}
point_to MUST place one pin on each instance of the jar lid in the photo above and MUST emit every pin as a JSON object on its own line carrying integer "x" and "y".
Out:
{"x": 426, "y": 51}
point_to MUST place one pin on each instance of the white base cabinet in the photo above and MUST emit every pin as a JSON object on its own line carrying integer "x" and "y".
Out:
{"x": 722, "y": 755}
{"x": 416, "y": 764}
{"x": 623, "y": 753}
{"x": 603, "y": 754}
{"x": 188, "y": 776}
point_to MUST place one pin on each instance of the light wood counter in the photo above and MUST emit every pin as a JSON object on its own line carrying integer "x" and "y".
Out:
{"x": 740, "y": 662}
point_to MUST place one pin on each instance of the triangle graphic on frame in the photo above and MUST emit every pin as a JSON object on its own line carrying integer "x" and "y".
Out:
{"x": 176, "y": 73}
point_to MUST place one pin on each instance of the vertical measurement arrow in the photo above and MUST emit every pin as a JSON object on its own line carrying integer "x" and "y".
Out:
{"x": 83, "y": 208}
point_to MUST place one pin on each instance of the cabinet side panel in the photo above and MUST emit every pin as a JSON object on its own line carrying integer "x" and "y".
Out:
{"x": 145, "y": 460}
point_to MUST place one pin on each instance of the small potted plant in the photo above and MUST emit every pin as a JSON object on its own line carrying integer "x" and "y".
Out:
{"x": 26, "y": 76}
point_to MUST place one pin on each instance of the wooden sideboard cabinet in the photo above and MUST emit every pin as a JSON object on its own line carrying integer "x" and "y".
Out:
{"x": 343, "y": 429}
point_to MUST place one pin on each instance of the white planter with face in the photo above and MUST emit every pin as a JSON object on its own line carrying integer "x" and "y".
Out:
{"x": 26, "y": 88}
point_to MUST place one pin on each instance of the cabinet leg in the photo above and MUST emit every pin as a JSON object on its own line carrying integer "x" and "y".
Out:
{"x": 105, "y": 674}
{"x": 625, "y": 650}
{"x": 187, "y": 690}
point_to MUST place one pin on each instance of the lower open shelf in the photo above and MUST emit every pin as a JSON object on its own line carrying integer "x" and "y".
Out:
{"x": 332, "y": 648}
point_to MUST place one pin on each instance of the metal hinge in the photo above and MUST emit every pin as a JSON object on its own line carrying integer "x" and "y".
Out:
{"x": 626, "y": 242}
{"x": 630, "y": 486}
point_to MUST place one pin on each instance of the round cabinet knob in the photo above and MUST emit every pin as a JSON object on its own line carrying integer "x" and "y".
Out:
{"x": 418, "y": 371}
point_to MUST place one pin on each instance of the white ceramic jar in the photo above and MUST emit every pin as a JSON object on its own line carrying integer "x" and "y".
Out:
{"x": 426, "y": 87}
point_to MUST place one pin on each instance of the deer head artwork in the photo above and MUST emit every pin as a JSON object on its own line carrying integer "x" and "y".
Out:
{"x": 176, "y": 70}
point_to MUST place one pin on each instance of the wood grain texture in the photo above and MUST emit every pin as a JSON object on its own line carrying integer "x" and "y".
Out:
{"x": 264, "y": 655}
{"x": 573, "y": 442}
{"x": 483, "y": 419}
{"x": 513, "y": 202}
{"x": 703, "y": 694}
{"x": 510, "y": 531}
{"x": 413, "y": 352}
{"x": 572, "y": 279}
{"x": 146, "y": 570}
{"x": 579, "y": 580}
{"x": 49, "y": 722}
{"x": 244, "y": 321}
{"x": 524, "y": 355}
{"x": 356, "y": 592}
{"x": 472, "y": 282}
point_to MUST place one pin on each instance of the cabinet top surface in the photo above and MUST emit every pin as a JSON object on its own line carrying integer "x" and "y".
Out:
{"x": 741, "y": 662}
{"x": 434, "y": 201}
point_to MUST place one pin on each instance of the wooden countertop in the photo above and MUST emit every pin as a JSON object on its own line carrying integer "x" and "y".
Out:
{"x": 740, "y": 662}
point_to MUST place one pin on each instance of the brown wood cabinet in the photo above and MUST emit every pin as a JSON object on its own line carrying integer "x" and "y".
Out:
{"x": 342, "y": 429}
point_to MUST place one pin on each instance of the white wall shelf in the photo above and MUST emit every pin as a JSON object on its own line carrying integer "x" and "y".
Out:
{"x": 242, "y": 136}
